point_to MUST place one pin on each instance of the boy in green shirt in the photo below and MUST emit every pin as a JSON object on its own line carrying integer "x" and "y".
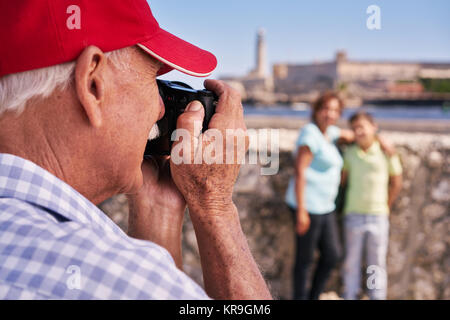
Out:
{"x": 373, "y": 182}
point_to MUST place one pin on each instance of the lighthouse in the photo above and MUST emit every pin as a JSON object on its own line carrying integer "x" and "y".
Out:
{"x": 257, "y": 84}
{"x": 260, "y": 69}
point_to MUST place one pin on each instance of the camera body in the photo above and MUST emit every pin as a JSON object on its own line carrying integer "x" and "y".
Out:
{"x": 176, "y": 96}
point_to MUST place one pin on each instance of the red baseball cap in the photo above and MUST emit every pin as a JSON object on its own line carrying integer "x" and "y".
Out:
{"x": 42, "y": 33}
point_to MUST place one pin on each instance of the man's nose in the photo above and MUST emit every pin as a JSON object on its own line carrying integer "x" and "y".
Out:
{"x": 162, "y": 108}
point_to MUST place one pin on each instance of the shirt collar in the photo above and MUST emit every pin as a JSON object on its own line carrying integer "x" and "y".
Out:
{"x": 327, "y": 136}
{"x": 374, "y": 148}
{"x": 24, "y": 180}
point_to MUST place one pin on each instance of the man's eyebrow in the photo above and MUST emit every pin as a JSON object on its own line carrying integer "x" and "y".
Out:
{"x": 160, "y": 66}
{"x": 151, "y": 68}
{"x": 155, "y": 64}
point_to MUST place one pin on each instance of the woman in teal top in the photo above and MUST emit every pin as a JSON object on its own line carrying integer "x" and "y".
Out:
{"x": 311, "y": 195}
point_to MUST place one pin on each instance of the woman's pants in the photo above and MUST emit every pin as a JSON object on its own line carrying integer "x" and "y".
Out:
{"x": 323, "y": 235}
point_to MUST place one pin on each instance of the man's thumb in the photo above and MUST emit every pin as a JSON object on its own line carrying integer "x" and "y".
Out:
{"x": 192, "y": 118}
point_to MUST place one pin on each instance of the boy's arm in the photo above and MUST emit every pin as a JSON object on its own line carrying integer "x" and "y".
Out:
{"x": 344, "y": 175}
{"x": 345, "y": 167}
{"x": 395, "y": 185}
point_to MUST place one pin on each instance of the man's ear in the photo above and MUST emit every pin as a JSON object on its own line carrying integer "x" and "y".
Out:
{"x": 89, "y": 83}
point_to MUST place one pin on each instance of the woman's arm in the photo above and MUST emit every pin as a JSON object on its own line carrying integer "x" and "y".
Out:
{"x": 395, "y": 186}
{"x": 387, "y": 147}
{"x": 346, "y": 136}
{"x": 303, "y": 161}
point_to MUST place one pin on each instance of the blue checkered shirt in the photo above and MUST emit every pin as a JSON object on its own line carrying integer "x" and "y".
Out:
{"x": 56, "y": 244}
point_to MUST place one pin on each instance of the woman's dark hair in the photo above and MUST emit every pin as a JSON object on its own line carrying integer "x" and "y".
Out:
{"x": 322, "y": 101}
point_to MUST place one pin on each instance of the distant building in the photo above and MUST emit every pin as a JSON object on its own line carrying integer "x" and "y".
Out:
{"x": 261, "y": 63}
{"x": 358, "y": 80}
{"x": 256, "y": 85}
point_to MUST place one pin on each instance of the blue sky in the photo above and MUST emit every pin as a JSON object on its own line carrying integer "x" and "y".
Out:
{"x": 307, "y": 31}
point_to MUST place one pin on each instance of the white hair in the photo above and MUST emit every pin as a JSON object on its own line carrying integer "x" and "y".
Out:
{"x": 18, "y": 88}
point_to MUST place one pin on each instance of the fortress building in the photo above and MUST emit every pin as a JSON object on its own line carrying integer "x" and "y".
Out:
{"x": 358, "y": 80}
{"x": 361, "y": 80}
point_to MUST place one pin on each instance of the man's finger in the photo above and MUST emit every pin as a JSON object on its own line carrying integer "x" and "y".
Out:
{"x": 216, "y": 86}
{"x": 229, "y": 98}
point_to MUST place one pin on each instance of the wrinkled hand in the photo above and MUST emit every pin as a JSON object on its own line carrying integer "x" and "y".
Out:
{"x": 210, "y": 186}
{"x": 158, "y": 200}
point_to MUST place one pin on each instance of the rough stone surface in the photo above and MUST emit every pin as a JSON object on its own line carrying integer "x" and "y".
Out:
{"x": 419, "y": 246}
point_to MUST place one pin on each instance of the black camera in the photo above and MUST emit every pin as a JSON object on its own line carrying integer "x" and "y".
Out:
{"x": 176, "y": 96}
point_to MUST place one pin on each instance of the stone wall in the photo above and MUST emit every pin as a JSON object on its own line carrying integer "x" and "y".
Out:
{"x": 419, "y": 246}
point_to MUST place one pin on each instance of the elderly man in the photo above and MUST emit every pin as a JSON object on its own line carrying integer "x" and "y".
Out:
{"x": 78, "y": 98}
